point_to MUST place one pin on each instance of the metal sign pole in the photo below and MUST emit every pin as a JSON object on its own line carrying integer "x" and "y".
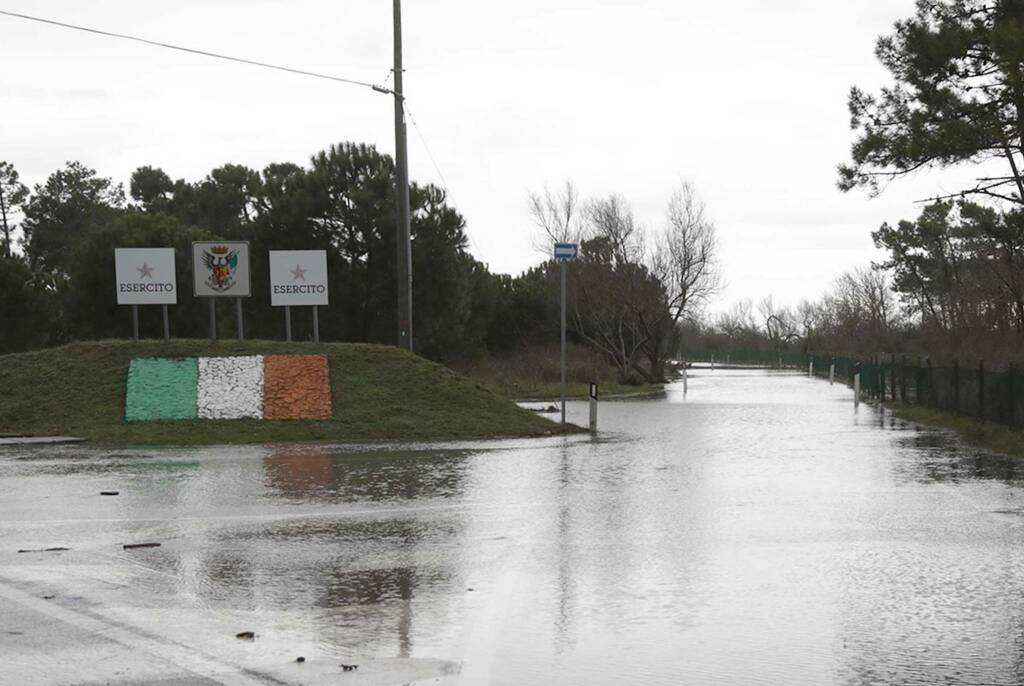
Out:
{"x": 563, "y": 343}
{"x": 563, "y": 253}
{"x": 238, "y": 315}
{"x": 316, "y": 324}
{"x": 593, "y": 408}
{"x": 213, "y": 319}
{"x": 135, "y": 323}
{"x": 288, "y": 323}
{"x": 167, "y": 325}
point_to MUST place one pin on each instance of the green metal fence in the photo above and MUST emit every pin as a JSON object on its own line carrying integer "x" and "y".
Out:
{"x": 972, "y": 390}
{"x": 995, "y": 395}
{"x": 755, "y": 358}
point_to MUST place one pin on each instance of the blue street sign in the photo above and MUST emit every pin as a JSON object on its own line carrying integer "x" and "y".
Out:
{"x": 566, "y": 251}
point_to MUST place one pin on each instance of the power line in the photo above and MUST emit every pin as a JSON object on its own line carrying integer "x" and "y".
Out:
{"x": 169, "y": 46}
{"x": 437, "y": 168}
{"x": 425, "y": 146}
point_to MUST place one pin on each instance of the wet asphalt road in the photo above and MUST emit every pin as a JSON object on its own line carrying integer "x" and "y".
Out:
{"x": 756, "y": 531}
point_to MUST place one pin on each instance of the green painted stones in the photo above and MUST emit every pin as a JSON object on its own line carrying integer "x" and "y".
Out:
{"x": 161, "y": 389}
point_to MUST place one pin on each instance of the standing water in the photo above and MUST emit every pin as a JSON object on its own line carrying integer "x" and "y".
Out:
{"x": 754, "y": 530}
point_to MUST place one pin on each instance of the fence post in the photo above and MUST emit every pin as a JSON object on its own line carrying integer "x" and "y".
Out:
{"x": 832, "y": 372}
{"x": 919, "y": 374}
{"x": 856, "y": 385}
{"x": 881, "y": 377}
{"x": 956, "y": 386}
{"x": 903, "y": 378}
{"x": 1013, "y": 410}
{"x": 981, "y": 389}
{"x": 892, "y": 376}
{"x": 810, "y": 367}
{"x": 931, "y": 385}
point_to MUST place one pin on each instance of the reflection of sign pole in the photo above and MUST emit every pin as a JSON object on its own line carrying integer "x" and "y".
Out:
{"x": 563, "y": 253}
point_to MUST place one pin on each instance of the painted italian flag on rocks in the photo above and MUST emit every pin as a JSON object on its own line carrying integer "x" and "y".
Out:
{"x": 246, "y": 387}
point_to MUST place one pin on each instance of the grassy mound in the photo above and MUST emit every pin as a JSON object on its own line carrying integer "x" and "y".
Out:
{"x": 380, "y": 393}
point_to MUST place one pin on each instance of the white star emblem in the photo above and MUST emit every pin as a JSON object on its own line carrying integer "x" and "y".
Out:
{"x": 144, "y": 271}
{"x": 298, "y": 273}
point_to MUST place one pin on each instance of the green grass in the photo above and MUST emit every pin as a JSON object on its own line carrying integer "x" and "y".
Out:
{"x": 526, "y": 389}
{"x": 535, "y": 374}
{"x": 997, "y": 437}
{"x": 379, "y": 393}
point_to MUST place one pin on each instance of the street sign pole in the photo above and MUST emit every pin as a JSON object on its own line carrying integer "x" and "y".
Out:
{"x": 563, "y": 342}
{"x": 563, "y": 253}
{"x": 167, "y": 325}
{"x": 288, "y": 323}
{"x": 135, "y": 323}
{"x": 316, "y": 324}
{"x": 213, "y": 319}
{"x": 238, "y": 316}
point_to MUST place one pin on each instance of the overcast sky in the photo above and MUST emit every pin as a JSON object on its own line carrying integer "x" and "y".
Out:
{"x": 746, "y": 99}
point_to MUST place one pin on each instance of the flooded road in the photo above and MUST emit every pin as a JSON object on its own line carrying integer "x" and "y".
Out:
{"x": 758, "y": 530}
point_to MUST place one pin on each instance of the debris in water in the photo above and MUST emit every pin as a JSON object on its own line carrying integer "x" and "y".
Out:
{"x": 300, "y": 659}
{"x": 349, "y": 668}
{"x": 110, "y": 492}
{"x": 129, "y": 546}
{"x": 42, "y": 550}
{"x": 49, "y": 597}
{"x": 246, "y": 635}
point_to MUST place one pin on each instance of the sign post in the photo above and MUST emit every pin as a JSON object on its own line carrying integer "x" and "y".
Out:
{"x": 298, "y": 277}
{"x": 145, "y": 276}
{"x": 563, "y": 253}
{"x": 238, "y": 317}
{"x": 593, "y": 408}
{"x": 220, "y": 269}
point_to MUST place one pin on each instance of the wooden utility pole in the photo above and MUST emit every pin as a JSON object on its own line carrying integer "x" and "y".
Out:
{"x": 403, "y": 237}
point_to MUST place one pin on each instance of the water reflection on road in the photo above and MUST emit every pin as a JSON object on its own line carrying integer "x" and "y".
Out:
{"x": 757, "y": 530}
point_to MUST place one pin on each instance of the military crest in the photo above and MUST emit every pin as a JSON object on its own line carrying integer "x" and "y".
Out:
{"x": 222, "y": 264}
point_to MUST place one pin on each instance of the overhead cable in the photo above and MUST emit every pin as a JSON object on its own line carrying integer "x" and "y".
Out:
{"x": 205, "y": 53}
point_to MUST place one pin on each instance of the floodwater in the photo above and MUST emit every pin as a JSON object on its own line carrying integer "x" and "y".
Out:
{"x": 758, "y": 530}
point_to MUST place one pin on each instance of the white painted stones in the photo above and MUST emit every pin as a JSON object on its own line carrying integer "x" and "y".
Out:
{"x": 230, "y": 387}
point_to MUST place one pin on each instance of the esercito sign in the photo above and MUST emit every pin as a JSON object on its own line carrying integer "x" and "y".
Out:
{"x": 298, "y": 277}
{"x": 220, "y": 269}
{"x": 145, "y": 276}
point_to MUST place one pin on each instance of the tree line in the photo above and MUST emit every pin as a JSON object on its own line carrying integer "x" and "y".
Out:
{"x": 628, "y": 292}
{"x": 952, "y": 281}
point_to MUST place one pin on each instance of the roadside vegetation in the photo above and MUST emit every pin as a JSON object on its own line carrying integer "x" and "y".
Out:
{"x": 379, "y": 393}
{"x": 629, "y": 292}
{"x": 989, "y": 435}
{"x": 952, "y": 280}
{"x": 535, "y": 374}
{"x": 951, "y": 284}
